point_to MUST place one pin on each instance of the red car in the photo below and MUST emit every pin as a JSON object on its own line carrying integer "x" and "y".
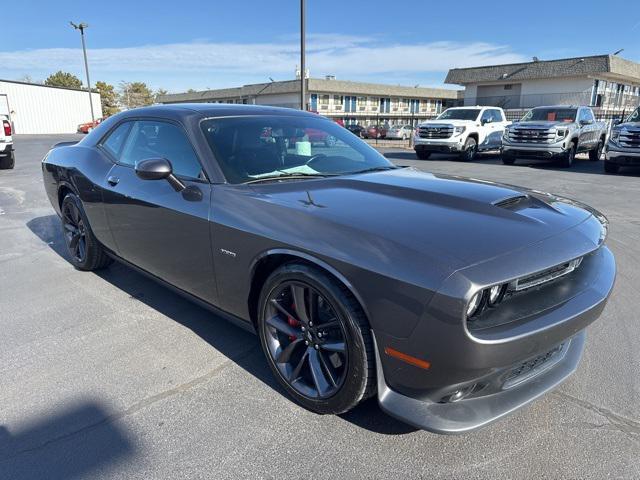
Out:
{"x": 375, "y": 131}
{"x": 87, "y": 127}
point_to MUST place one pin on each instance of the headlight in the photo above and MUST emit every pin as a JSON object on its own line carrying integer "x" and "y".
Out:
{"x": 458, "y": 130}
{"x": 562, "y": 133}
{"x": 474, "y": 304}
{"x": 615, "y": 134}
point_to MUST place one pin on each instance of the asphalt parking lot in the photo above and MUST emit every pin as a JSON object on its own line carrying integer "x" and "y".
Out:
{"x": 110, "y": 375}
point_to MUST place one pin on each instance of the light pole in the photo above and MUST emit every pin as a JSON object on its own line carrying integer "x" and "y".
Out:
{"x": 81, "y": 27}
{"x": 302, "y": 48}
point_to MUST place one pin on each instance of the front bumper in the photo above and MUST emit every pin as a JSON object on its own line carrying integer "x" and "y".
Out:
{"x": 536, "y": 151}
{"x": 436, "y": 146}
{"x": 470, "y": 414}
{"x": 622, "y": 156}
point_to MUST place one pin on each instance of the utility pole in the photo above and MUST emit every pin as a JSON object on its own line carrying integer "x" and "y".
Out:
{"x": 302, "y": 49}
{"x": 81, "y": 27}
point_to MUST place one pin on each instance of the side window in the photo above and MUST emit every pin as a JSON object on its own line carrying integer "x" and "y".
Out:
{"x": 157, "y": 139}
{"x": 115, "y": 140}
{"x": 486, "y": 115}
{"x": 589, "y": 114}
{"x": 497, "y": 116}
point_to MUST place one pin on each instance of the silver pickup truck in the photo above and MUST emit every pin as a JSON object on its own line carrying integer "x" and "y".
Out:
{"x": 623, "y": 147}
{"x": 555, "y": 133}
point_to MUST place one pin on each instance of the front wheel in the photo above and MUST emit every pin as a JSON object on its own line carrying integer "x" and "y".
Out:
{"x": 596, "y": 153}
{"x": 568, "y": 158}
{"x": 469, "y": 150}
{"x": 85, "y": 251}
{"x": 316, "y": 339}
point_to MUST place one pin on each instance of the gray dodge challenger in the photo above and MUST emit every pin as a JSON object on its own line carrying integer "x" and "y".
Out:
{"x": 455, "y": 301}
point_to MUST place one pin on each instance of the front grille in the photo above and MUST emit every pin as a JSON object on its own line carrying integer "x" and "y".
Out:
{"x": 629, "y": 138}
{"x": 533, "y": 366}
{"x": 531, "y": 135}
{"x": 545, "y": 275}
{"x": 435, "y": 131}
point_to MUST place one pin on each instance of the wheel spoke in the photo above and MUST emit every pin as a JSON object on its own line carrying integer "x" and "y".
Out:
{"x": 333, "y": 346}
{"x": 298, "y": 294}
{"x": 75, "y": 238}
{"x": 81, "y": 248}
{"x": 313, "y": 306}
{"x": 328, "y": 369}
{"x": 281, "y": 309}
{"x": 69, "y": 228}
{"x": 330, "y": 324}
{"x": 295, "y": 373}
{"x": 285, "y": 353}
{"x": 283, "y": 326}
{"x": 318, "y": 375}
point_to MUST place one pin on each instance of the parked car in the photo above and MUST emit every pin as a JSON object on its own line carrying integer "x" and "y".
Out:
{"x": 375, "y": 131}
{"x": 461, "y": 303}
{"x": 400, "y": 132}
{"x": 623, "y": 147}
{"x": 555, "y": 133}
{"x": 7, "y": 153}
{"x": 89, "y": 126}
{"x": 461, "y": 130}
{"x": 357, "y": 130}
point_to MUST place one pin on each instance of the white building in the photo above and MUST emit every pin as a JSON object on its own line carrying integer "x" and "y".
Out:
{"x": 607, "y": 82}
{"x": 35, "y": 108}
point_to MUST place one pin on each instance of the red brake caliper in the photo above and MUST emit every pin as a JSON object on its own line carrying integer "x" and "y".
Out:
{"x": 293, "y": 322}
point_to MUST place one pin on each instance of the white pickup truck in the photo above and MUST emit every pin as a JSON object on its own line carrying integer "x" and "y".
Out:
{"x": 461, "y": 130}
{"x": 7, "y": 156}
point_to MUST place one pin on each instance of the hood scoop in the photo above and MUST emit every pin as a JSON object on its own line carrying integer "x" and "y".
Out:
{"x": 515, "y": 202}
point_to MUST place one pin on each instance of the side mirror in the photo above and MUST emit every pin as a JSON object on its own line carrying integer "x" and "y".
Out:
{"x": 158, "y": 169}
{"x": 484, "y": 121}
{"x": 585, "y": 122}
{"x": 617, "y": 121}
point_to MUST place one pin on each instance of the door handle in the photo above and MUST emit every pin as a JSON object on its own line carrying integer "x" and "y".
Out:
{"x": 113, "y": 181}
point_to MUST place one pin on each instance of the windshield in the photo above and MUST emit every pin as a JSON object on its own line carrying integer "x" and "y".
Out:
{"x": 635, "y": 116}
{"x": 551, "y": 115}
{"x": 459, "y": 114}
{"x": 250, "y": 148}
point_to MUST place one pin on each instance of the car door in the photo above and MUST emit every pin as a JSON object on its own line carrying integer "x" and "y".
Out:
{"x": 587, "y": 126}
{"x": 163, "y": 231}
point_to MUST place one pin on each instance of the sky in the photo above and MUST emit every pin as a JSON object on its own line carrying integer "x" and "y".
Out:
{"x": 178, "y": 45}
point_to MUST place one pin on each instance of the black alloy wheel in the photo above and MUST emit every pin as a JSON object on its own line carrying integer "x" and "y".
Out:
{"x": 469, "y": 150}
{"x": 75, "y": 233}
{"x": 316, "y": 339}
{"x": 596, "y": 153}
{"x": 306, "y": 340}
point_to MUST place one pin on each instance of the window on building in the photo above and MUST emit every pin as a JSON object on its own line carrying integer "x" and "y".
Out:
{"x": 338, "y": 100}
{"x": 324, "y": 100}
{"x": 362, "y": 103}
{"x": 508, "y": 86}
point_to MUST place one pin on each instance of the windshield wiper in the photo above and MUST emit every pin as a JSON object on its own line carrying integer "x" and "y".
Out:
{"x": 375, "y": 169}
{"x": 286, "y": 175}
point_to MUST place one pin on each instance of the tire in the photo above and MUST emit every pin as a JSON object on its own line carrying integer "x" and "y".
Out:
{"x": 8, "y": 162}
{"x": 596, "y": 153}
{"x": 316, "y": 374}
{"x": 568, "y": 158}
{"x": 84, "y": 250}
{"x": 469, "y": 151}
{"x": 611, "y": 167}
{"x": 422, "y": 155}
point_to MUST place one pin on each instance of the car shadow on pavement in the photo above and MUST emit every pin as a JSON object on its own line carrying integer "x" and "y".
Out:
{"x": 65, "y": 444}
{"x": 240, "y": 346}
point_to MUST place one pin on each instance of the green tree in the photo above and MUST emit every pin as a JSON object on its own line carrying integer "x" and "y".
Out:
{"x": 63, "y": 79}
{"x": 191, "y": 90}
{"x": 108, "y": 98}
{"x": 135, "y": 94}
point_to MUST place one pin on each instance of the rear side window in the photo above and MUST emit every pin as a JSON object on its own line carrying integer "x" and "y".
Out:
{"x": 115, "y": 140}
{"x": 497, "y": 116}
{"x": 157, "y": 139}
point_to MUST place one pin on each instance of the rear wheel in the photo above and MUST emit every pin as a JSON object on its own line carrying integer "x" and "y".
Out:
{"x": 85, "y": 251}
{"x": 611, "y": 167}
{"x": 568, "y": 158}
{"x": 508, "y": 159}
{"x": 469, "y": 151}
{"x": 316, "y": 339}
{"x": 8, "y": 162}
{"x": 596, "y": 153}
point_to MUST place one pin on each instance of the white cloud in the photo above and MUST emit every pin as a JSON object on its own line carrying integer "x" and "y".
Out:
{"x": 344, "y": 55}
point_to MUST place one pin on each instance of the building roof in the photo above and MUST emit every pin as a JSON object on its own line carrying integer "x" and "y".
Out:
{"x": 609, "y": 66}
{"x": 313, "y": 85}
{"x": 82, "y": 89}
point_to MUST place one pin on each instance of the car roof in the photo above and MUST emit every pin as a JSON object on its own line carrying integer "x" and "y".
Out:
{"x": 214, "y": 110}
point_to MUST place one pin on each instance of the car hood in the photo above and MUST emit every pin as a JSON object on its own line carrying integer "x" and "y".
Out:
{"x": 455, "y": 123}
{"x": 451, "y": 220}
{"x": 542, "y": 124}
